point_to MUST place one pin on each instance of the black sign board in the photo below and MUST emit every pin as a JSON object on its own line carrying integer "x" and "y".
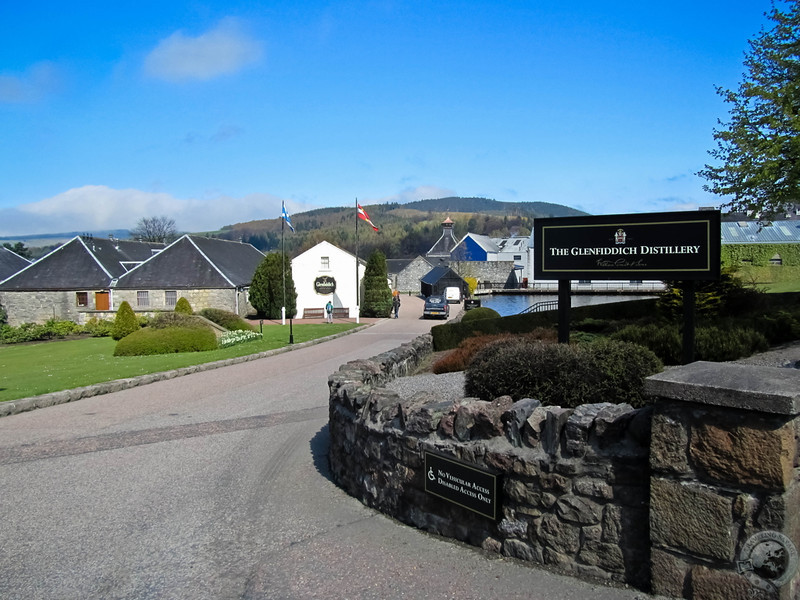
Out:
{"x": 673, "y": 245}
{"x": 462, "y": 484}
{"x": 325, "y": 284}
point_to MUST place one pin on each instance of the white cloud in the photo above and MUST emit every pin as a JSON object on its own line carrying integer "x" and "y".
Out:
{"x": 94, "y": 207}
{"x": 39, "y": 80}
{"x": 220, "y": 51}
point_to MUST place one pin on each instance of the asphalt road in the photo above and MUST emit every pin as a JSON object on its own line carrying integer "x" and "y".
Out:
{"x": 215, "y": 485}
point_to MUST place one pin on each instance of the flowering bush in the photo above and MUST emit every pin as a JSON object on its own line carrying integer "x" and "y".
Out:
{"x": 231, "y": 338}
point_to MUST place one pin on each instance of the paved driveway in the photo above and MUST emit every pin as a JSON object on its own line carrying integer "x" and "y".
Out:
{"x": 215, "y": 485}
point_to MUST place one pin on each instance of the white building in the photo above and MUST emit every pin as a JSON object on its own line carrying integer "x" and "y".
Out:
{"x": 326, "y": 272}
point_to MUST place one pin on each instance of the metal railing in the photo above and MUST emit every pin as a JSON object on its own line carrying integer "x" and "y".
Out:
{"x": 540, "y": 307}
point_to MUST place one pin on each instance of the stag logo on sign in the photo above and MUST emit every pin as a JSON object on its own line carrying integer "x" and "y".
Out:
{"x": 768, "y": 560}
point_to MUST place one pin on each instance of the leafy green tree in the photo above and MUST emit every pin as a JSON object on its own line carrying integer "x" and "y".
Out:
{"x": 182, "y": 306}
{"x": 377, "y": 295}
{"x": 125, "y": 322}
{"x": 20, "y": 249}
{"x": 266, "y": 289}
{"x": 758, "y": 150}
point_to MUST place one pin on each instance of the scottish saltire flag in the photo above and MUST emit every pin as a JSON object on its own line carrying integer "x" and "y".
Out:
{"x": 285, "y": 216}
{"x": 362, "y": 214}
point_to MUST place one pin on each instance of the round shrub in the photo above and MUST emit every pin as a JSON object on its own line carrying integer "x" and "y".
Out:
{"x": 166, "y": 341}
{"x": 482, "y": 312}
{"x": 561, "y": 374}
{"x": 228, "y": 320}
{"x": 183, "y": 307}
{"x": 125, "y": 322}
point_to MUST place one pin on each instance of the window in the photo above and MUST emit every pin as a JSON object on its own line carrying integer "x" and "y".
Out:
{"x": 81, "y": 298}
{"x": 170, "y": 298}
{"x": 143, "y": 298}
{"x": 518, "y": 257}
{"x": 325, "y": 263}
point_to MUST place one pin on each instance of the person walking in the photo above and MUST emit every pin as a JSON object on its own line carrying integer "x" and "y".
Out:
{"x": 396, "y": 304}
{"x": 329, "y": 312}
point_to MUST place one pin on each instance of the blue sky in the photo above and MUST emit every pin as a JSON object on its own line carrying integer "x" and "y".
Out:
{"x": 212, "y": 112}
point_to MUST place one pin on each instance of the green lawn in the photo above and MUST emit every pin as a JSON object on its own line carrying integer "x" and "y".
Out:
{"x": 782, "y": 286}
{"x": 33, "y": 369}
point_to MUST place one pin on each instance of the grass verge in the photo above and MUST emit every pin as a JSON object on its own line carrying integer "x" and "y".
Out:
{"x": 33, "y": 369}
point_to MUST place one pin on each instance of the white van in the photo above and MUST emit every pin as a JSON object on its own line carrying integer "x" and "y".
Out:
{"x": 453, "y": 295}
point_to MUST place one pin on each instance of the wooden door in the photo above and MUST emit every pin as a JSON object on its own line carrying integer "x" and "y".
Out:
{"x": 101, "y": 301}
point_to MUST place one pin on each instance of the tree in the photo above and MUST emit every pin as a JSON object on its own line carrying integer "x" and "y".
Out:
{"x": 155, "y": 229}
{"x": 758, "y": 151}
{"x": 125, "y": 322}
{"x": 266, "y": 289}
{"x": 377, "y": 295}
{"x": 19, "y": 249}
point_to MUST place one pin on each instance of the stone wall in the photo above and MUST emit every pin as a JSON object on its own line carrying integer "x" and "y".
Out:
{"x": 696, "y": 497}
{"x": 725, "y": 485}
{"x": 499, "y": 271}
{"x": 574, "y": 482}
{"x": 38, "y": 307}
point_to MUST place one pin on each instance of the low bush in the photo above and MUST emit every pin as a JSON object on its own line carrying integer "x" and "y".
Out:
{"x": 562, "y": 374}
{"x": 477, "y": 314}
{"x": 33, "y": 332}
{"x": 716, "y": 344}
{"x": 125, "y": 322}
{"x": 166, "y": 341}
{"x": 228, "y": 320}
{"x": 459, "y": 358}
{"x": 164, "y": 320}
{"x": 663, "y": 340}
{"x": 97, "y": 327}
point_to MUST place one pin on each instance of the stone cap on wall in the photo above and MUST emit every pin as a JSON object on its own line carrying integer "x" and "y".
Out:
{"x": 763, "y": 389}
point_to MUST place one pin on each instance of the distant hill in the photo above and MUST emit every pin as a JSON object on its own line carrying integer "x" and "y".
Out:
{"x": 488, "y": 206}
{"x": 406, "y": 230}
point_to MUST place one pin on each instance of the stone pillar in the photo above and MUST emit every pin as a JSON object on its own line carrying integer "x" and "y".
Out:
{"x": 724, "y": 488}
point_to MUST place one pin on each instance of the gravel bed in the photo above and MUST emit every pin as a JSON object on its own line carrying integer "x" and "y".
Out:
{"x": 787, "y": 355}
{"x": 447, "y": 386}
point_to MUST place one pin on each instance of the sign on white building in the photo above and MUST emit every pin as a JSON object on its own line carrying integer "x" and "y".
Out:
{"x": 326, "y": 272}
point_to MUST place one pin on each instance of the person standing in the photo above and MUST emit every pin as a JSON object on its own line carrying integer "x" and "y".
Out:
{"x": 396, "y": 304}
{"x": 329, "y": 312}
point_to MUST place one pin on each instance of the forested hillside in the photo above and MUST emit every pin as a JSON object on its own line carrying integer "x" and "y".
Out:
{"x": 406, "y": 230}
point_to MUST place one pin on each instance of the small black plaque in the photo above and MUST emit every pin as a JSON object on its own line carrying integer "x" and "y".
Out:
{"x": 462, "y": 484}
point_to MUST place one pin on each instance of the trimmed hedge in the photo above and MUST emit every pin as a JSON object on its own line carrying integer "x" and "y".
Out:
{"x": 32, "y": 332}
{"x": 228, "y": 320}
{"x": 482, "y": 312}
{"x": 164, "y": 320}
{"x": 166, "y": 341}
{"x": 183, "y": 307}
{"x": 562, "y": 374}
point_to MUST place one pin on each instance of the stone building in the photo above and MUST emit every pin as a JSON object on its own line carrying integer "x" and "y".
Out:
{"x": 208, "y": 272}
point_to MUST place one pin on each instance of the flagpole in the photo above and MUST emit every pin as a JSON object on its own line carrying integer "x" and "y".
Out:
{"x": 358, "y": 312}
{"x": 283, "y": 270}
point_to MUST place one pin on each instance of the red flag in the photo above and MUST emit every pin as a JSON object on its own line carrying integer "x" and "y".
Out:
{"x": 362, "y": 214}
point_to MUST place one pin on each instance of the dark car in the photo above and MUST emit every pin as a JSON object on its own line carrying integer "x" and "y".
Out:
{"x": 436, "y": 306}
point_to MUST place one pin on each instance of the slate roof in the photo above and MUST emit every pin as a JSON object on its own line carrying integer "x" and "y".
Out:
{"x": 195, "y": 262}
{"x": 756, "y": 232}
{"x": 437, "y": 273}
{"x": 10, "y": 263}
{"x": 81, "y": 263}
{"x": 396, "y": 265}
{"x": 445, "y": 244}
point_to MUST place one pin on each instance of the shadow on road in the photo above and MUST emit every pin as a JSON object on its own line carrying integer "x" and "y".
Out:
{"x": 319, "y": 452}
